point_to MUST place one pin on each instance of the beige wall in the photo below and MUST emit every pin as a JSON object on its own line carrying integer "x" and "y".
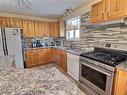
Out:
{"x": 27, "y": 17}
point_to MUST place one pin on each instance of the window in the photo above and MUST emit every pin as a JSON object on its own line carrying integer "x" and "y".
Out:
{"x": 73, "y": 29}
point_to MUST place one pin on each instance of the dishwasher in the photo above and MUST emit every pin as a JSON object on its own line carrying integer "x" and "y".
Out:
{"x": 73, "y": 66}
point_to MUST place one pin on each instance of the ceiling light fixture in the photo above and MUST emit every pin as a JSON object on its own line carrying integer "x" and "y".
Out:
{"x": 68, "y": 11}
{"x": 24, "y": 4}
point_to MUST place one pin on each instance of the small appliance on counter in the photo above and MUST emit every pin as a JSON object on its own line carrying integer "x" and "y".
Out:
{"x": 33, "y": 43}
{"x": 38, "y": 43}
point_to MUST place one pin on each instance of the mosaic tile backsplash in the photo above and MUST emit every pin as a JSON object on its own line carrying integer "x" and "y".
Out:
{"x": 28, "y": 41}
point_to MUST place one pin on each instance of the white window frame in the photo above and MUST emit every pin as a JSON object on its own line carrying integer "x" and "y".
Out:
{"x": 74, "y": 38}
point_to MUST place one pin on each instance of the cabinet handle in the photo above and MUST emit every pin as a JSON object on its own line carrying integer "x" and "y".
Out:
{"x": 116, "y": 6}
{"x": 107, "y": 14}
{"x": 103, "y": 16}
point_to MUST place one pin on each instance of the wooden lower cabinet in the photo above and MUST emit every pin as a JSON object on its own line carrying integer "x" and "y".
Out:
{"x": 63, "y": 60}
{"x": 42, "y": 56}
{"x": 49, "y": 54}
{"x": 120, "y": 82}
{"x": 46, "y": 55}
{"x": 60, "y": 58}
{"x": 31, "y": 58}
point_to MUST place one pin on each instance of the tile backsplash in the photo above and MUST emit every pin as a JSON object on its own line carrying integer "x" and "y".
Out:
{"x": 47, "y": 40}
{"x": 89, "y": 38}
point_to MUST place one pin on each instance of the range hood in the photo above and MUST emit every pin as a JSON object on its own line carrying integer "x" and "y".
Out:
{"x": 108, "y": 24}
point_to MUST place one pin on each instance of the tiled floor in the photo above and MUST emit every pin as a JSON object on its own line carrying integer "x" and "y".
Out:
{"x": 42, "y": 80}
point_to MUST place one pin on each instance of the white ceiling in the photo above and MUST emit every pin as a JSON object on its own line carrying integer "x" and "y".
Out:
{"x": 42, "y": 8}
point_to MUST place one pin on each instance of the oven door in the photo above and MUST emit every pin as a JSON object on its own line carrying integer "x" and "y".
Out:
{"x": 96, "y": 78}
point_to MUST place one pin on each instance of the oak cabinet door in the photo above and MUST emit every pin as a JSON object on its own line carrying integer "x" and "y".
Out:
{"x": 38, "y": 29}
{"x": 58, "y": 57}
{"x": 46, "y": 29}
{"x": 51, "y": 29}
{"x": 54, "y": 53}
{"x": 97, "y": 14}
{"x": 94, "y": 13}
{"x": 120, "y": 82}
{"x": 54, "y": 29}
{"x": 15, "y": 22}
{"x": 28, "y": 28}
{"x": 42, "y": 29}
{"x": 63, "y": 60}
{"x": 62, "y": 28}
{"x": 42, "y": 56}
{"x": 4, "y": 22}
{"x": 31, "y": 58}
{"x": 49, "y": 53}
{"x": 117, "y": 9}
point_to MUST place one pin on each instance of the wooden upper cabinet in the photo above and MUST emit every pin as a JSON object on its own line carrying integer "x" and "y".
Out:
{"x": 4, "y": 22}
{"x": 28, "y": 28}
{"x": 15, "y": 22}
{"x": 117, "y": 9}
{"x": 54, "y": 29}
{"x": 120, "y": 82}
{"x": 97, "y": 12}
{"x": 51, "y": 29}
{"x": 46, "y": 29}
{"x": 108, "y": 10}
{"x": 38, "y": 29}
{"x": 62, "y": 28}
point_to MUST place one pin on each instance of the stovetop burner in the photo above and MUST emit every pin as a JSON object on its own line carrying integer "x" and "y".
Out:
{"x": 111, "y": 58}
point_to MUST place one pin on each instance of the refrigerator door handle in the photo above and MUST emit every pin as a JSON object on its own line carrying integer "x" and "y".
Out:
{"x": 4, "y": 42}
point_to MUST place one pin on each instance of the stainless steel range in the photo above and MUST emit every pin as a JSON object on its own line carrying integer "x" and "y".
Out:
{"x": 97, "y": 70}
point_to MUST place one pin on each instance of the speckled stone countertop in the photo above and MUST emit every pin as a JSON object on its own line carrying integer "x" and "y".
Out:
{"x": 6, "y": 61}
{"x": 43, "y": 80}
{"x": 122, "y": 66}
{"x": 73, "y": 51}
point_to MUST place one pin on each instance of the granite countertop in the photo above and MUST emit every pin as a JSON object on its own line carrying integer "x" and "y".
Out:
{"x": 6, "y": 61}
{"x": 122, "y": 66}
{"x": 43, "y": 80}
{"x": 73, "y": 51}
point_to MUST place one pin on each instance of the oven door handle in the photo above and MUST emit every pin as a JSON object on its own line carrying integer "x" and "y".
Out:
{"x": 96, "y": 69}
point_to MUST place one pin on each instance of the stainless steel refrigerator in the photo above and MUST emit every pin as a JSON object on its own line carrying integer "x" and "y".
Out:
{"x": 11, "y": 45}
